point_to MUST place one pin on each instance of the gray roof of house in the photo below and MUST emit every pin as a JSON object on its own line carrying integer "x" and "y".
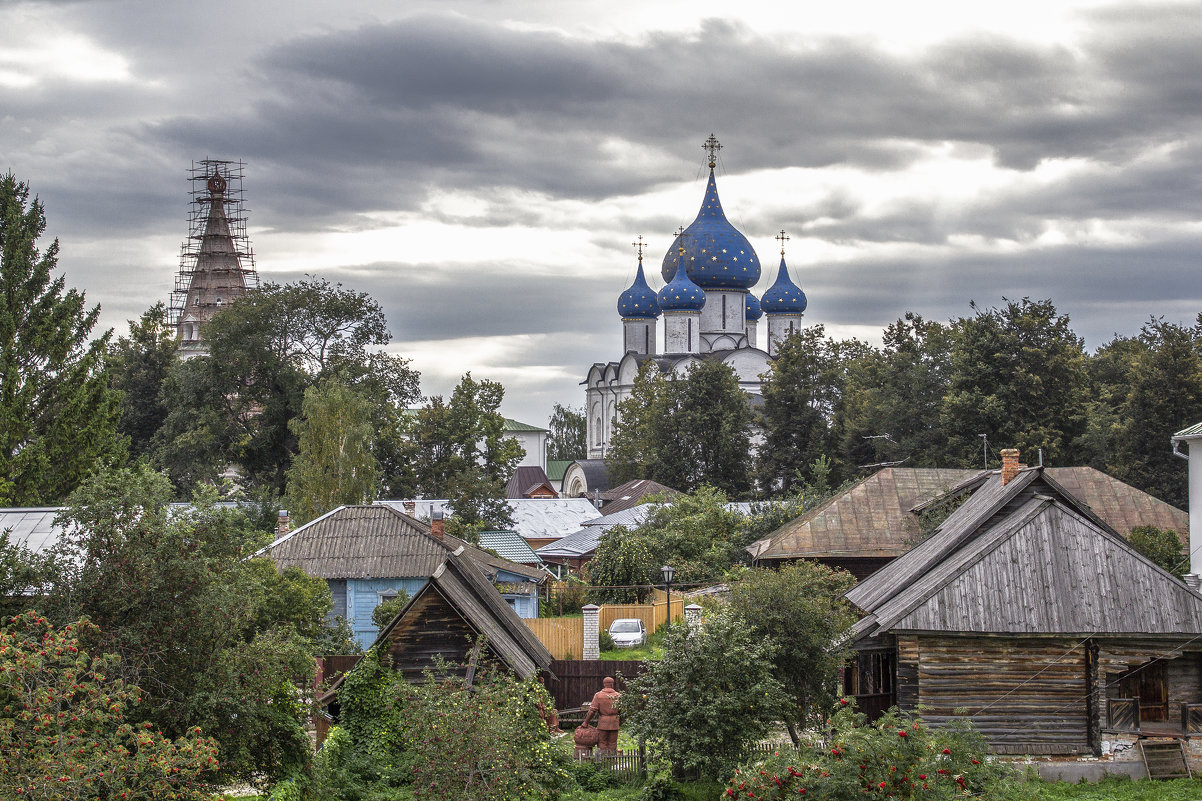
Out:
{"x": 585, "y": 541}
{"x": 509, "y": 545}
{"x": 524, "y": 480}
{"x": 32, "y": 527}
{"x": 375, "y": 541}
{"x": 533, "y": 518}
{"x": 1025, "y": 558}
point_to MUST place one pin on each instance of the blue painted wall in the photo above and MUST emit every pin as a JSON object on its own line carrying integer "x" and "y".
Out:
{"x": 359, "y": 598}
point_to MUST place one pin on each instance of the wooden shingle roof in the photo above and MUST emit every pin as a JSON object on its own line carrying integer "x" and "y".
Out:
{"x": 1025, "y": 558}
{"x": 376, "y": 541}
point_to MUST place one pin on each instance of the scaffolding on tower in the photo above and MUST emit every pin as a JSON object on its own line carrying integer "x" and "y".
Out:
{"x": 216, "y": 262}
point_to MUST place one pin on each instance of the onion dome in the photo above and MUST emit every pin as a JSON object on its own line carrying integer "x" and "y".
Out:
{"x": 784, "y": 296}
{"x": 752, "y": 310}
{"x": 717, "y": 254}
{"x": 638, "y": 302}
{"x": 681, "y": 294}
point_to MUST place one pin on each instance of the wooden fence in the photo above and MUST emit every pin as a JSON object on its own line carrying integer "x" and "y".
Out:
{"x": 563, "y": 636}
{"x": 628, "y": 766}
{"x": 577, "y": 680}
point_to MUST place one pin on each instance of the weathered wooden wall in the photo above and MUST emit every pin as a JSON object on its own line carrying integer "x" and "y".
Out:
{"x": 578, "y": 679}
{"x": 1025, "y": 695}
{"x": 433, "y": 628}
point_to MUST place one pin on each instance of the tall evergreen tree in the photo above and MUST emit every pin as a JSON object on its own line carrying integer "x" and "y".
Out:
{"x": 801, "y": 393}
{"x": 334, "y": 463}
{"x": 1164, "y": 396}
{"x": 58, "y": 416}
{"x": 566, "y": 440}
{"x": 138, "y": 366}
{"x": 1018, "y": 376}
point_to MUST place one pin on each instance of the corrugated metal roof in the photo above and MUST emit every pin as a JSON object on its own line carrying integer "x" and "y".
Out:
{"x": 556, "y": 468}
{"x": 509, "y": 545}
{"x": 1189, "y": 433}
{"x": 374, "y": 542}
{"x": 525, "y": 480}
{"x": 585, "y": 541}
{"x": 632, "y": 493}
{"x": 1121, "y": 505}
{"x": 533, "y": 518}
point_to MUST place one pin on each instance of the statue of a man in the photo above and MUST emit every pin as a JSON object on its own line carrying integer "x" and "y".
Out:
{"x": 605, "y": 705}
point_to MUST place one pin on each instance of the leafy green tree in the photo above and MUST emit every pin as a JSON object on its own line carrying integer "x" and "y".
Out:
{"x": 175, "y": 600}
{"x": 567, "y": 438}
{"x": 1164, "y": 395}
{"x": 684, "y": 431}
{"x": 1017, "y": 375}
{"x": 267, "y": 348}
{"x": 138, "y": 365}
{"x": 459, "y": 451}
{"x": 66, "y": 733}
{"x": 889, "y": 406}
{"x": 22, "y": 573}
{"x": 801, "y": 393}
{"x": 799, "y": 609}
{"x": 58, "y": 417}
{"x": 1162, "y": 546}
{"x": 623, "y": 568}
{"x": 709, "y": 698}
{"x": 334, "y": 464}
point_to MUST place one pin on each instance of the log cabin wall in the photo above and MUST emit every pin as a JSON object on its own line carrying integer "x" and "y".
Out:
{"x": 1024, "y": 695}
{"x": 433, "y": 628}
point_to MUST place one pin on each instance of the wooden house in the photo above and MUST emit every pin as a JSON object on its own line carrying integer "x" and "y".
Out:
{"x": 370, "y": 554}
{"x": 879, "y": 518}
{"x": 1028, "y": 615}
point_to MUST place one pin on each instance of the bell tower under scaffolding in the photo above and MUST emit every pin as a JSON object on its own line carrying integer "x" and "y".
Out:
{"x": 216, "y": 262}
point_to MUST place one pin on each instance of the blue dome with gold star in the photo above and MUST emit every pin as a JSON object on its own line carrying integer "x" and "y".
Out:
{"x": 784, "y": 296}
{"x": 638, "y": 302}
{"x": 681, "y": 294}
{"x": 751, "y": 309}
{"x": 716, "y": 255}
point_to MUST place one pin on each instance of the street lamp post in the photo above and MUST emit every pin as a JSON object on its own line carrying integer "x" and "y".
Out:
{"x": 668, "y": 574}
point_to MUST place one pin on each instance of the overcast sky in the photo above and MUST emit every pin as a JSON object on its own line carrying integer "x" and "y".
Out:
{"x": 481, "y": 167}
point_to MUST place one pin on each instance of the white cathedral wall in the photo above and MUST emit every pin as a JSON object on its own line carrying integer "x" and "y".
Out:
{"x": 779, "y": 327}
{"x": 639, "y": 336}
{"x": 681, "y": 334}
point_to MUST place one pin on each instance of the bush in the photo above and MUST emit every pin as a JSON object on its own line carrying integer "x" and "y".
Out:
{"x": 483, "y": 743}
{"x": 709, "y": 697}
{"x": 385, "y": 611}
{"x": 606, "y": 642}
{"x": 591, "y": 778}
{"x": 892, "y": 758}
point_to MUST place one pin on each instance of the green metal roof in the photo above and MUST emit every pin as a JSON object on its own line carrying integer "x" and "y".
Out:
{"x": 514, "y": 425}
{"x": 509, "y": 545}
{"x": 556, "y": 468}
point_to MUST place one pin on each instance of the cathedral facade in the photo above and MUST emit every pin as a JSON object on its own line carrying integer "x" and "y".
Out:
{"x": 707, "y": 311}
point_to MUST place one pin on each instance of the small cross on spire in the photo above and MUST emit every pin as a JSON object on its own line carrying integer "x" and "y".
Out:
{"x": 639, "y": 245}
{"x": 782, "y": 237}
{"x": 712, "y": 146}
{"x": 680, "y": 236}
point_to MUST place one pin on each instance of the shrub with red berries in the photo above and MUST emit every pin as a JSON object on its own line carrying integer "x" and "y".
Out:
{"x": 63, "y": 733}
{"x": 892, "y": 758}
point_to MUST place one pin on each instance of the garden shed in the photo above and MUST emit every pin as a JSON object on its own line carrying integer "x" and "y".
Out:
{"x": 1027, "y": 614}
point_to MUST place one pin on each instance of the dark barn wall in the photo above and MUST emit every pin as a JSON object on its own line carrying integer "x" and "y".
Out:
{"x": 1025, "y": 695}
{"x": 432, "y": 628}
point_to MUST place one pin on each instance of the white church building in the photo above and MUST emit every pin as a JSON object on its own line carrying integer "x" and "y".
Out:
{"x": 707, "y": 311}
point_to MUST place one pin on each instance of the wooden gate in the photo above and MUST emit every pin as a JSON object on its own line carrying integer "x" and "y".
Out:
{"x": 577, "y": 680}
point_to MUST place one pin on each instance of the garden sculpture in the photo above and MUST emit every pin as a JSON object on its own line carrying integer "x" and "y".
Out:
{"x": 604, "y": 705}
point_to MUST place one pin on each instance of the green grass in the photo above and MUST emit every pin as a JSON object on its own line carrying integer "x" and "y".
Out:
{"x": 691, "y": 791}
{"x": 1107, "y": 790}
{"x": 652, "y": 649}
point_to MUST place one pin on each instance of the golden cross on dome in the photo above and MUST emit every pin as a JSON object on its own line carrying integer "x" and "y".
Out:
{"x": 639, "y": 245}
{"x": 782, "y": 237}
{"x": 712, "y": 147}
{"x": 680, "y": 236}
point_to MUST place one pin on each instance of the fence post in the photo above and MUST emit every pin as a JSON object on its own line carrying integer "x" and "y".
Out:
{"x": 592, "y": 632}
{"x": 692, "y": 615}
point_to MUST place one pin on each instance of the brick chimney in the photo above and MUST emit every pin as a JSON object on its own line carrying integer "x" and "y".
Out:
{"x": 438, "y": 526}
{"x": 283, "y": 523}
{"x": 1010, "y": 465}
